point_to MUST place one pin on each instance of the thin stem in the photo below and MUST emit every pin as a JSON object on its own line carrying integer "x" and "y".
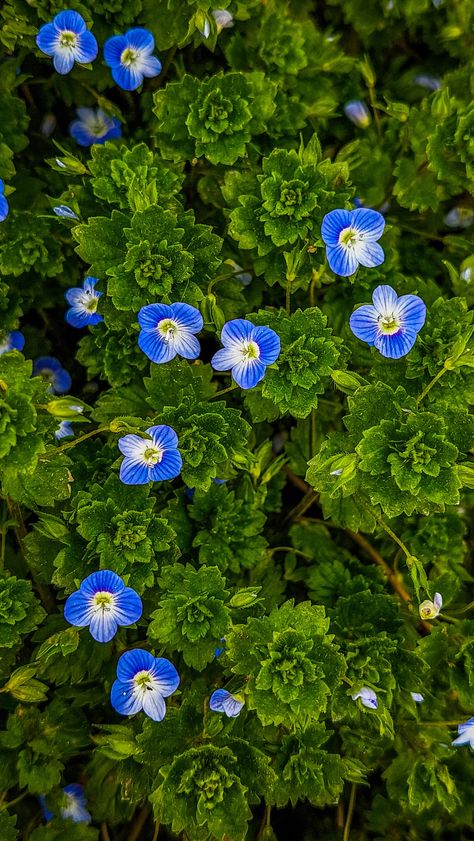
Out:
{"x": 314, "y": 431}
{"x": 156, "y": 831}
{"x": 463, "y": 609}
{"x": 375, "y": 110}
{"x": 385, "y": 527}
{"x": 79, "y": 440}
{"x": 220, "y": 277}
{"x": 104, "y": 832}
{"x": 430, "y": 385}
{"x": 289, "y": 549}
{"x": 6, "y": 804}
{"x": 309, "y": 498}
{"x": 138, "y": 824}
{"x": 288, "y": 296}
{"x": 350, "y": 813}
{"x": 223, "y": 391}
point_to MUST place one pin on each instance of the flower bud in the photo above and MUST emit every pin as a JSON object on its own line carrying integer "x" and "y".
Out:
{"x": 358, "y": 113}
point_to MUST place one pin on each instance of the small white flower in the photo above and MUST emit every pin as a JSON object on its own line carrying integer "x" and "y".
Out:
{"x": 431, "y": 609}
{"x": 223, "y": 19}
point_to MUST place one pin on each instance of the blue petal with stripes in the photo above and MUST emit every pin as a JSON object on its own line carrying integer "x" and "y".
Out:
{"x": 351, "y": 238}
{"x": 390, "y": 324}
{"x": 247, "y": 351}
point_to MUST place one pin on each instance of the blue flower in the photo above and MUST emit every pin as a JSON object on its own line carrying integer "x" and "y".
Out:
{"x": 418, "y": 697}
{"x": 53, "y": 372}
{"x": 391, "y": 324}
{"x": 103, "y": 602}
{"x": 150, "y": 459}
{"x": 350, "y": 237}
{"x": 222, "y": 701}
{"x": 143, "y": 682}
{"x": 358, "y": 113}
{"x": 83, "y": 302}
{"x": 466, "y": 734}
{"x": 459, "y": 217}
{"x": 65, "y": 212}
{"x": 4, "y": 206}
{"x": 247, "y": 351}
{"x": 14, "y": 341}
{"x": 426, "y": 81}
{"x": 74, "y": 806}
{"x": 168, "y": 330}
{"x": 67, "y": 39}
{"x": 367, "y": 696}
{"x": 129, "y": 57}
{"x": 94, "y": 127}
{"x": 64, "y": 430}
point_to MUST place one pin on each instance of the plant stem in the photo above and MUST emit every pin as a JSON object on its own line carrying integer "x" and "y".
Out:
{"x": 223, "y": 391}
{"x": 138, "y": 824}
{"x": 384, "y": 525}
{"x": 156, "y": 831}
{"x": 5, "y": 804}
{"x": 79, "y": 440}
{"x": 104, "y": 832}
{"x": 289, "y": 549}
{"x": 431, "y": 384}
{"x": 350, "y": 812}
{"x": 43, "y": 590}
{"x": 288, "y": 296}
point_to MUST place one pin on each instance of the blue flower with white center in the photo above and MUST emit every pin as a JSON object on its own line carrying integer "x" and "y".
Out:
{"x": 247, "y": 351}
{"x": 391, "y": 324}
{"x": 67, "y": 40}
{"x": 129, "y": 57}
{"x": 466, "y": 734}
{"x": 417, "y": 697}
{"x": 103, "y": 602}
{"x": 150, "y": 459}
{"x": 64, "y": 212}
{"x": 459, "y": 217}
{"x": 357, "y": 112}
{"x": 51, "y": 370}
{"x": 168, "y": 330}
{"x": 351, "y": 238}
{"x": 222, "y": 701}
{"x": 83, "y": 304}
{"x": 143, "y": 682}
{"x": 4, "y": 206}
{"x": 13, "y": 341}
{"x": 74, "y": 805}
{"x": 367, "y": 697}
{"x": 431, "y": 609}
{"x": 64, "y": 430}
{"x": 94, "y": 126}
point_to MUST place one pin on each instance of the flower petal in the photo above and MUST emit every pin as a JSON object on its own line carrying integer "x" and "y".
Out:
{"x": 104, "y": 580}
{"x": 127, "y": 78}
{"x": 128, "y": 607}
{"x": 368, "y": 222}
{"x": 168, "y": 468}
{"x": 87, "y": 49}
{"x": 150, "y": 66}
{"x": 103, "y": 625}
{"x": 153, "y": 705}
{"x": 132, "y": 446}
{"x": 385, "y": 300}
{"x": 187, "y": 345}
{"x": 396, "y": 345}
{"x": 46, "y": 39}
{"x": 226, "y": 358}
{"x": 232, "y": 706}
{"x": 63, "y": 61}
{"x": 133, "y": 472}
{"x": 187, "y": 317}
{"x": 131, "y": 662}
{"x": 163, "y": 436}
{"x": 332, "y": 225}
{"x": 4, "y": 208}
{"x": 113, "y": 49}
{"x": 78, "y": 610}
{"x": 152, "y": 314}
{"x": 342, "y": 260}
{"x": 269, "y": 344}
{"x": 248, "y": 373}
{"x": 369, "y": 253}
{"x": 123, "y": 699}
{"x": 165, "y": 676}
{"x": 411, "y": 311}
{"x": 154, "y": 345}
{"x": 236, "y": 331}
{"x": 364, "y": 324}
{"x": 140, "y": 39}
{"x": 70, "y": 21}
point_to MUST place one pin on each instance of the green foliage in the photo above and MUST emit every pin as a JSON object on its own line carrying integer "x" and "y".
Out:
{"x": 20, "y": 612}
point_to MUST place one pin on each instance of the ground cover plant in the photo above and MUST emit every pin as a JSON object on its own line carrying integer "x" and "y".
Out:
{"x": 236, "y": 379}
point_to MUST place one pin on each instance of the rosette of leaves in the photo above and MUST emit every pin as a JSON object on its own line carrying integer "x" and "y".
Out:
{"x": 215, "y": 117}
{"x": 402, "y": 458}
{"x": 133, "y": 178}
{"x": 20, "y": 612}
{"x": 202, "y": 793}
{"x": 14, "y": 123}
{"x": 27, "y": 243}
{"x": 193, "y": 614}
{"x": 281, "y": 45}
{"x": 291, "y": 663}
{"x": 309, "y": 353}
{"x": 150, "y": 256}
{"x": 283, "y": 205}
{"x": 120, "y": 524}
{"x": 230, "y": 528}
{"x": 112, "y": 353}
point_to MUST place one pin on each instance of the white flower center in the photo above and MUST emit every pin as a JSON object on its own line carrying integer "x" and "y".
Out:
{"x": 349, "y": 237}
{"x": 89, "y": 301}
{"x": 67, "y": 40}
{"x": 102, "y": 601}
{"x": 97, "y": 127}
{"x": 152, "y": 455}
{"x": 168, "y": 329}
{"x": 250, "y": 350}
{"x": 142, "y": 682}
{"x": 388, "y": 324}
{"x": 129, "y": 57}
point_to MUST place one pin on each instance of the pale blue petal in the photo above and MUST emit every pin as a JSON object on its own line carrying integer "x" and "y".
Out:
{"x": 236, "y": 331}
{"x": 342, "y": 260}
{"x": 187, "y": 317}
{"x": 226, "y": 358}
{"x": 385, "y": 300}
{"x": 463, "y": 739}
{"x": 89, "y": 285}
{"x": 140, "y": 39}
{"x": 232, "y": 706}
{"x": 134, "y": 472}
{"x": 216, "y": 701}
{"x": 269, "y": 344}
{"x": 132, "y": 446}
{"x": 113, "y": 49}
{"x": 46, "y": 39}
{"x": 168, "y": 468}
{"x": 87, "y": 49}
{"x": 71, "y": 21}
{"x": 152, "y": 314}
{"x": 153, "y": 705}
{"x": 465, "y": 725}
{"x": 131, "y": 662}
{"x": 396, "y": 345}
{"x": 248, "y": 373}
{"x": 153, "y": 345}
{"x": 369, "y": 253}
{"x": 363, "y": 323}
{"x": 63, "y": 62}
{"x": 77, "y": 610}
{"x": 368, "y": 222}
{"x": 411, "y": 311}
{"x": 123, "y": 699}
{"x": 187, "y": 345}
{"x": 103, "y": 625}
{"x": 128, "y": 607}
{"x": 163, "y": 436}
{"x": 73, "y": 295}
{"x": 166, "y": 676}
{"x": 150, "y": 66}
{"x": 332, "y": 225}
